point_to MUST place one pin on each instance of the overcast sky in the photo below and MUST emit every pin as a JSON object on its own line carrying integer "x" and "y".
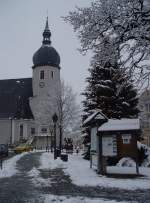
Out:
{"x": 22, "y": 23}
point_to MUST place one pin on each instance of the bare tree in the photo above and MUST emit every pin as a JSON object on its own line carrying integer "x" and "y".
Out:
{"x": 63, "y": 102}
{"x": 126, "y": 23}
{"x": 68, "y": 109}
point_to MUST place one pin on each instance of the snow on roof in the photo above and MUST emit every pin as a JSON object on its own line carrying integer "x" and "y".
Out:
{"x": 83, "y": 135}
{"x": 122, "y": 124}
{"x": 97, "y": 115}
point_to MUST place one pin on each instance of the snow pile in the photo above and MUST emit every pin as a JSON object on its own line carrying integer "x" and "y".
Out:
{"x": 126, "y": 161}
{"x": 37, "y": 180}
{"x": 9, "y": 166}
{"x": 48, "y": 162}
{"x": 67, "y": 199}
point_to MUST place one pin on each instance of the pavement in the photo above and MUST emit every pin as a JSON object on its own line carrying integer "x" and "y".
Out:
{"x": 20, "y": 188}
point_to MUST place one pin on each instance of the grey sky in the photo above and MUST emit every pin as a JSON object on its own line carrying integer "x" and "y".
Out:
{"x": 22, "y": 23}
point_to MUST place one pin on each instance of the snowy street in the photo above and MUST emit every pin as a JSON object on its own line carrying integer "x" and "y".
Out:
{"x": 32, "y": 177}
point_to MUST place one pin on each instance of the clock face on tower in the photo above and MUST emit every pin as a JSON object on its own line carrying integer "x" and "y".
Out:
{"x": 41, "y": 84}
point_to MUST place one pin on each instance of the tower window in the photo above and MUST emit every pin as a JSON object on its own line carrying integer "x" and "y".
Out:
{"x": 52, "y": 74}
{"x": 42, "y": 74}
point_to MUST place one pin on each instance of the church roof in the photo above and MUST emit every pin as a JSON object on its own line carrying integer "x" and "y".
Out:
{"x": 46, "y": 54}
{"x": 14, "y": 98}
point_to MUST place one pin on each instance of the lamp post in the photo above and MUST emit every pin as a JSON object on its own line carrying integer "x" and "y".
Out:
{"x": 60, "y": 140}
{"x": 51, "y": 132}
{"x": 55, "y": 119}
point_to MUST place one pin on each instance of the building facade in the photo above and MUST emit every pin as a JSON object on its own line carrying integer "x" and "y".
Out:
{"x": 28, "y": 104}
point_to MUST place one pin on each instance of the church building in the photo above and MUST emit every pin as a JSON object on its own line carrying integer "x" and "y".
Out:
{"x": 28, "y": 104}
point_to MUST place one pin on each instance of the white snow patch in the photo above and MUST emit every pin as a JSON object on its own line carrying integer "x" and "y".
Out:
{"x": 37, "y": 180}
{"x": 34, "y": 173}
{"x": 68, "y": 199}
{"x": 48, "y": 162}
{"x": 9, "y": 166}
{"x": 81, "y": 174}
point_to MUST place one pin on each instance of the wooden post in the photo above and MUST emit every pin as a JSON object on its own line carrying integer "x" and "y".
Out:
{"x": 1, "y": 163}
{"x": 137, "y": 168}
{"x": 100, "y": 156}
{"x": 90, "y": 159}
{"x": 137, "y": 164}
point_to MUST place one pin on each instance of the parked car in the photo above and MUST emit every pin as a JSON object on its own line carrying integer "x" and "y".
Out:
{"x": 3, "y": 150}
{"x": 23, "y": 148}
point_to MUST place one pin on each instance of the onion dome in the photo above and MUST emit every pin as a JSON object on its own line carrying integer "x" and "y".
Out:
{"x": 46, "y": 54}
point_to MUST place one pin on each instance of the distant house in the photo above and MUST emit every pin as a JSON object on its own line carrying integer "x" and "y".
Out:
{"x": 113, "y": 138}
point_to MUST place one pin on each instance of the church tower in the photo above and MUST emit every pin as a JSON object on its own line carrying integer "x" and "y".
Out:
{"x": 46, "y": 70}
{"x": 46, "y": 84}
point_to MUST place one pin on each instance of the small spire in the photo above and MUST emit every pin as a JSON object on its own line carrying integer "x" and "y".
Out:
{"x": 46, "y": 34}
{"x": 47, "y": 26}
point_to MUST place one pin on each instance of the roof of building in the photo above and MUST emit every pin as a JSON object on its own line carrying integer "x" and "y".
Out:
{"x": 122, "y": 125}
{"x": 14, "y": 98}
{"x": 96, "y": 115}
{"x": 46, "y": 54}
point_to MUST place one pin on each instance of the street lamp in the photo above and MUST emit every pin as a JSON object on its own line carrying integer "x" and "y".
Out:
{"x": 51, "y": 132}
{"x": 60, "y": 140}
{"x": 55, "y": 119}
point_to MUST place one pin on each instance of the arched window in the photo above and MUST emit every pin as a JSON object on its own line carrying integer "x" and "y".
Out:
{"x": 52, "y": 74}
{"x": 42, "y": 75}
{"x": 21, "y": 131}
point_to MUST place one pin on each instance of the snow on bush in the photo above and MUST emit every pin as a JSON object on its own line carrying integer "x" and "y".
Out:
{"x": 126, "y": 161}
{"x": 146, "y": 162}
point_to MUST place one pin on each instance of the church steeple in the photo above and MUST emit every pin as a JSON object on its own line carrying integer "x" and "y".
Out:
{"x": 46, "y": 55}
{"x": 46, "y": 34}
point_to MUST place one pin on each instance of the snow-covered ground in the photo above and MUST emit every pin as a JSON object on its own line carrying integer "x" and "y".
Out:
{"x": 81, "y": 174}
{"x": 9, "y": 166}
{"x": 37, "y": 179}
{"x": 64, "y": 199}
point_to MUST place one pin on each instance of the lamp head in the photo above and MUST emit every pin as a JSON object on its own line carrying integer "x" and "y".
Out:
{"x": 55, "y": 118}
